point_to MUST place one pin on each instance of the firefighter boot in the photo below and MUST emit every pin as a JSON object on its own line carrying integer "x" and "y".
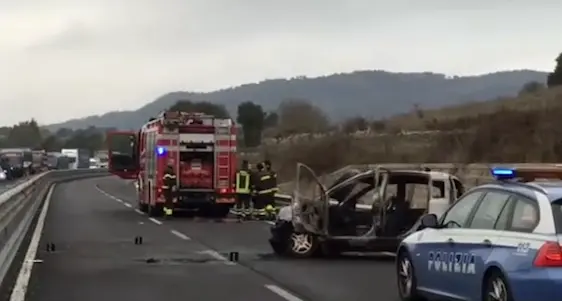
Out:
{"x": 168, "y": 212}
{"x": 269, "y": 212}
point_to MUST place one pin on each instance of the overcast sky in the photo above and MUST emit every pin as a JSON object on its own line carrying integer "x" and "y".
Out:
{"x": 61, "y": 59}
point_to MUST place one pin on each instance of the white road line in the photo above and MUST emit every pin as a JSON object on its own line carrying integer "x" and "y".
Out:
{"x": 109, "y": 195}
{"x": 139, "y": 212}
{"x": 152, "y": 219}
{"x": 218, "y": 257}
{"x": 22, "y": 282}
{"x": 180, "y": 235}
{"x": 127, "y": 204}
{"x": 282, "y": 293}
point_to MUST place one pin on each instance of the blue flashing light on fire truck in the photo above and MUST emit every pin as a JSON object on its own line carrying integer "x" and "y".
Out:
{"x": 201, "y": 149}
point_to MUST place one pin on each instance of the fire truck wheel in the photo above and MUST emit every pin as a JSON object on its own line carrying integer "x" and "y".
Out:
{"x": 221, "y": 210}
{"x": 155, "y": 210}
{"x": 143, "y": 207}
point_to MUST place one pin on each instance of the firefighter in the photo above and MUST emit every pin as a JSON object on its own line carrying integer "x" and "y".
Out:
{"x": 169, "y": 188}
{"x": 259, "y": 191}
{"x": 243, "y": 189}
{"x": 269, "y": 196}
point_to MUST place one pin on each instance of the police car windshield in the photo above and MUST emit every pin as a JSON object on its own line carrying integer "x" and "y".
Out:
{"x": 557, "y": 214}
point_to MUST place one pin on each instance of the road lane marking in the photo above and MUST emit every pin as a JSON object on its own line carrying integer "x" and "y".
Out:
{"x": 109, "y": 195}
{"x": 152, "y": 219}
{"x": 22, "y": 282}
{"x": 139, "y": 212}
{"x": 282, "y": 293}
{"x": 218, "y": 257}
{"x": 127, "y": 204}
{"x": 180, "y": 235}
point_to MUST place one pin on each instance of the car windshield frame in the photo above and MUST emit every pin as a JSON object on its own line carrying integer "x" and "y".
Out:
{"x": 556, "y": 207}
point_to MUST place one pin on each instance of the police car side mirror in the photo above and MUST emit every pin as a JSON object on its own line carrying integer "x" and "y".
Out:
{"x": 429, "y": 221}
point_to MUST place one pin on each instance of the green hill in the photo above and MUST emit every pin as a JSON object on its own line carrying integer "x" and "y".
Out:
{"x": 372, "y": 94}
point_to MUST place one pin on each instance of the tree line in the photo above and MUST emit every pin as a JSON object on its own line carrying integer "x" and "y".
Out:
{"x": 293, "y": 116}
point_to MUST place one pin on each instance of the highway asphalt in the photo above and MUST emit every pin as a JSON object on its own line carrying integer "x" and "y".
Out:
{"x": 93, "y": 224}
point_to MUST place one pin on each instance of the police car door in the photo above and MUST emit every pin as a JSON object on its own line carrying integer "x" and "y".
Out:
{"x": 437, "y": 248}
{"x": 475, "y": 243}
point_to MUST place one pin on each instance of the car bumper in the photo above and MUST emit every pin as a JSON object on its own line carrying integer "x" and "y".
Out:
{"x": 537, "y": 285}
{"x": 280, "y": 232}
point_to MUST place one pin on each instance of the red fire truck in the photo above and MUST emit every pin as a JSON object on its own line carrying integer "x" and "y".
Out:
{"x": 201, "y": 149}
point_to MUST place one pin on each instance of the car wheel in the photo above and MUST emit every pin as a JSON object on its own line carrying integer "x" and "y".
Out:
{"x": 496, "y": 288}
{"x": 406, "y": 278}
{"x": 302, "y": 245}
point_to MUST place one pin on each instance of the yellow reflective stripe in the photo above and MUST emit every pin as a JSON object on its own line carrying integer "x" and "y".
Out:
{"x": 266, "y": 191}
{"x": 165, "y": 187}
{"x": 242, "y": 182}
{"x": 265, "y": 177}
{"x": 169, "y": 176}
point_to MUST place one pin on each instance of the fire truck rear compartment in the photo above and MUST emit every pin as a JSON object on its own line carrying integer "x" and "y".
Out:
{"x": 196, "y": 179}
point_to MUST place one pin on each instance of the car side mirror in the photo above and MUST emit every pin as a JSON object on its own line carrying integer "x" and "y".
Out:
{"x": 429, "y": 221}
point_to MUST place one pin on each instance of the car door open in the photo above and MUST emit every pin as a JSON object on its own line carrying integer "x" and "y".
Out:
{"x": 310, "y": 208}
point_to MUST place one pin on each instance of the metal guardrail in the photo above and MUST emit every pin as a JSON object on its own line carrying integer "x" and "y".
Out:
{"x": 19, "y": 205}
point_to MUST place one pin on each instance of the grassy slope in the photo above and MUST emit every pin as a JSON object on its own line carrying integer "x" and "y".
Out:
{"x": 548, "y": 98}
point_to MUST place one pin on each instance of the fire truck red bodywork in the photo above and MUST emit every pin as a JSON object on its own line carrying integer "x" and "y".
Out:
{"x": 202, "y": 152}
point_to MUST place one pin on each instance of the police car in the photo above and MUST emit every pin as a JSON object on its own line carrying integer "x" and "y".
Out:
{"x": 499, "y": 241}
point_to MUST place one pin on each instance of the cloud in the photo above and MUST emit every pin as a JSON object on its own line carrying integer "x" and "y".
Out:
{"x": 87, "y": 57}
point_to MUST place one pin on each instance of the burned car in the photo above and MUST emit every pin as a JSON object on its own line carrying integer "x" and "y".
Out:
{"x": 363, "y": 211}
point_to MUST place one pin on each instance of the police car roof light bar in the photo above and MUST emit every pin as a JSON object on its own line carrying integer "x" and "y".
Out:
{"x": 500, "y": 173}
{"x": 527, "y": 174}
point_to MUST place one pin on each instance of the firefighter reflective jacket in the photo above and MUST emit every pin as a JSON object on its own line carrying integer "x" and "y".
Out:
{"x": 268, "y": 182}
{"x": 169, "y": 181}
{"x": 273, "y": 176}
{"x": 243, "y": 182}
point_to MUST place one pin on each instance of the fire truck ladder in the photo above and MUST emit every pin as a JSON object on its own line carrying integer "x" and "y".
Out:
{"x": 222, "y": 156}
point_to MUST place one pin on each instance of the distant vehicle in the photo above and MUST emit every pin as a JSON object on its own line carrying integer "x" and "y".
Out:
{"x": 38, "y": 160}
{"x": 52, "y": 158}
{"x": 63, "y": 162}
{"x": 333, "y": 221}
{"x": 78, "y": 158}
{"x": 103, "y": 158}
{"x": 94, "y": 163}
{"x": 16, "y": 160}
{"x": 499, "y": 241}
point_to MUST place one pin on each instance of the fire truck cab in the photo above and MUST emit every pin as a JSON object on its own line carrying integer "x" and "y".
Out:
{"x": 200, "y": 148}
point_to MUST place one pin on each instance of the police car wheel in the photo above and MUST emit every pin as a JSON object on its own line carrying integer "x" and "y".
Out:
{"x": 406, "y": 278}
{"x": 302, "y": 245}
{"x": 496, "y": 288}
